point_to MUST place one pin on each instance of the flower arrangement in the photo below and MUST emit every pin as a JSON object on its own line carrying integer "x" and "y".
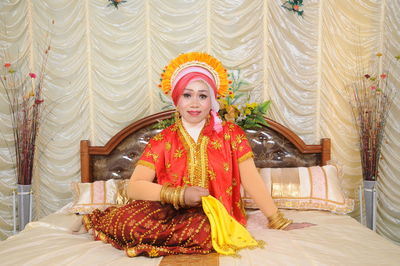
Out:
{"x": 294, "y": 6}
{"x": 24, "y": 94}
{"x": 371, "y": 98}
{"x": 246, "y": 115}
{"x": 115, "y": 3}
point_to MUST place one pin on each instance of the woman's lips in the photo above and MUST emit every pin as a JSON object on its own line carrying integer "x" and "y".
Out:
{"x": 194, "y": 113}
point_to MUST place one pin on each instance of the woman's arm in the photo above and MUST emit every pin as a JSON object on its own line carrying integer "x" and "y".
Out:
{"x": 141, "y": 186}
{"x": 254, "y": 186}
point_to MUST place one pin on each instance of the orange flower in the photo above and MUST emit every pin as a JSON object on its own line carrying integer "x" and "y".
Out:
{"x": 7, "y": 65}
{"x": 383, "y": 76}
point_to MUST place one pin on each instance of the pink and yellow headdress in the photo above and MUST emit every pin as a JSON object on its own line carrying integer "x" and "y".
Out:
{"x": 202, "y": 63}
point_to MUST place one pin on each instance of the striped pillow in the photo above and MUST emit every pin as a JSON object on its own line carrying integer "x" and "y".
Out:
{"x": 304, "y": 188}
{"x": 97, "y": 195}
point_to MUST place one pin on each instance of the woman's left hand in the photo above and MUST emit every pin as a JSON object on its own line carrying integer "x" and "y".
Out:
{"x": 298, "y": 226}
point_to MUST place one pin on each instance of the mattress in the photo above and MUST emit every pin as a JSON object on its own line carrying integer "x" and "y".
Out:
{"x": 334, "y": 240}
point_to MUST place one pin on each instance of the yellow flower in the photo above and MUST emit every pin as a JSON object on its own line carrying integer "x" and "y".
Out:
{"x": 251, "y": 105}
{"x": 379, "y": 54}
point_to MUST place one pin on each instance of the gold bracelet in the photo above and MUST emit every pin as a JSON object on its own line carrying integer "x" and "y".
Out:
{"x": 289, "y": 222}
{"x": 278, "y": 221}
{"x": 166, "y": 194}
{"x": 274, "y": 216}
{"x": 274, "y": 219}
{"x": 163, "y": 193}
{"x": 278, "y": 224}
{"x": 170, "y": 195}
{"x": 174, "y": 196}
{"x": 182, "y": 197}
{"x": 175, "y": 199}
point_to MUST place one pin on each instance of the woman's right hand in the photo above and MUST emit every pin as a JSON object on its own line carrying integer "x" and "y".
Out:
{"x": 193, "y": 196}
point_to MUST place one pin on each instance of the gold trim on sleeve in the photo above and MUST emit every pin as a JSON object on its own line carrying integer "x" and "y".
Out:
{"x": 147, "y": 164}
{"x": 246, "y": 156}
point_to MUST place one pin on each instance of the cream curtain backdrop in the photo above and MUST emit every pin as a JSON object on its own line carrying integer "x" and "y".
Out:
{"x": 104, "y": 67}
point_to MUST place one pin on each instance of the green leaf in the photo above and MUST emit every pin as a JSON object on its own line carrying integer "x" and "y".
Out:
{"x": 264, "y": 106}
{"x": 261, "y": 120}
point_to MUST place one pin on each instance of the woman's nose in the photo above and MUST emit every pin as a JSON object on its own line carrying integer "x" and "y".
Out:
{"x": 194, "y": 101}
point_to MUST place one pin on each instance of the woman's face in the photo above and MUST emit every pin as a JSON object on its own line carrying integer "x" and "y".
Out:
{"x": 194, "y": 104}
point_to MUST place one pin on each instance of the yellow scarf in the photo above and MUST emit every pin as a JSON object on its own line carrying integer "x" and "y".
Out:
{"x": 227, "y": 234}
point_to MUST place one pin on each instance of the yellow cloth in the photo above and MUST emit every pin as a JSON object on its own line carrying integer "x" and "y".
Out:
{"x": 227, "y": 234}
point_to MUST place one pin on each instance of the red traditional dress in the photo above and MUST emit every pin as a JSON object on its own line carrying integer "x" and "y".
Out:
{"x": 152, "y": 229}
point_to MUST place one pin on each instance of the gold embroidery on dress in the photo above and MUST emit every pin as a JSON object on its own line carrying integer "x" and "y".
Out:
{"x": 211, "y": 174}
{"x": 240, "y": 138}
{"x": 167, "y": 146}
{"x": 216, "y": 144}
{"x": 226, "y": 167}
{"x": 227, "y": 136}
{"x": 178, "y": 153}
{"x": 229, "y": 191}
{"x": 158, "y": 137}
{"x": 234, "y": 145}
{"x": 153, "y": 155}
{"x": 197, "y": 159}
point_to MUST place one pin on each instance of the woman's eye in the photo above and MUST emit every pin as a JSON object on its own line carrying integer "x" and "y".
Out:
{"x": 186, "y": 95}
{"x": 203, "y": 96}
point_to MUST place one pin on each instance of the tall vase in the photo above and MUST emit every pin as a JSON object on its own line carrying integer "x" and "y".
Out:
{"x": 370, "y": 196}
{"x": 24, "y": 193}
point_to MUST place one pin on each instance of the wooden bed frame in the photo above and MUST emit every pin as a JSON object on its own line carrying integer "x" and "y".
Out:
{"x": 273, "y": 146}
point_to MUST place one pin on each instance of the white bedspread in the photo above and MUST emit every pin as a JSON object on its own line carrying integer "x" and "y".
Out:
{"x": 336, "y": 240}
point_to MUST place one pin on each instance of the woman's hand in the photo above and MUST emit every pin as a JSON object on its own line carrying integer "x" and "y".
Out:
{"x": 193, "y": 196}
{"x": 298, "y": 226}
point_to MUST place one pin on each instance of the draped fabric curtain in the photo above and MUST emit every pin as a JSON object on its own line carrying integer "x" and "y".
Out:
{"x": 104, "y": 68}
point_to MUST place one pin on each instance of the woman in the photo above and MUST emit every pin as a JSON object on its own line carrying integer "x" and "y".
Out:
{"x": 197, "y": 156}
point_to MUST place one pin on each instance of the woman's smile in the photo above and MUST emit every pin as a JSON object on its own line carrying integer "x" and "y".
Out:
{"x": 194, "y": 113}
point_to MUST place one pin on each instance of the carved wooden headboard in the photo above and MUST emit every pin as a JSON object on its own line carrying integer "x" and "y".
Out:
{"x": 273, "y": 146}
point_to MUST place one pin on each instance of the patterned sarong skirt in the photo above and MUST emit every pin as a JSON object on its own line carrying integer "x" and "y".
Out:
{"x": 151, "y": 229}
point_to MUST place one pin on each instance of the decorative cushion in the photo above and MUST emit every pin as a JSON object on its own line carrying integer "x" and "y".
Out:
{"x": 98, "y": 195}
{"x": 304, "y": 188}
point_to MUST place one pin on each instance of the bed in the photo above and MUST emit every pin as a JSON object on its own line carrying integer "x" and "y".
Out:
{"x": 336, "y": 239}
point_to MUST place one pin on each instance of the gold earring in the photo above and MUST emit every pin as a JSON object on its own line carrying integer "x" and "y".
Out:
{"x": 177, "y": 115}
